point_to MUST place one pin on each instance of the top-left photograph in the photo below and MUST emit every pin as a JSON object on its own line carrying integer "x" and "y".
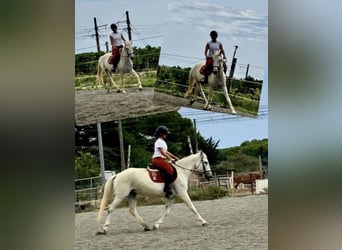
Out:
{"x": 117, "y": 49}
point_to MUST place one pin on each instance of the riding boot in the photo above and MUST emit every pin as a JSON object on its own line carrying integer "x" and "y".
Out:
{"x": 167, "y": 187}
{"x": 204, "y": 80}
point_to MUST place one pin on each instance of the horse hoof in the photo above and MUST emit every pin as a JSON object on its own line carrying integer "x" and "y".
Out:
{"x": 205, "y": 224}
{"x": 123, "y": 91}
{"x": 155, "y": 227}
{"x": 147, "y": 229}
{"x": 101, "y": 232}
{"x": 191, "y": 102}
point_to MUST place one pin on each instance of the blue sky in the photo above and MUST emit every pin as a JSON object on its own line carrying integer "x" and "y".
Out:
{"x": 182, "y": 28}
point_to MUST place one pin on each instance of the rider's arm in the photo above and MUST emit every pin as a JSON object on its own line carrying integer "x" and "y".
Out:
{"x": 222, "y": 51}
{"x": 206, "y": 50}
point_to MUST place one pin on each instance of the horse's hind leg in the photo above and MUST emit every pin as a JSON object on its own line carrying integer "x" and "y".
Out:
{"x": 132, "y": 201}
{"x": 112, "y": 206}
{"x": 167, "y": 212}
{"x": 110, "y": 80}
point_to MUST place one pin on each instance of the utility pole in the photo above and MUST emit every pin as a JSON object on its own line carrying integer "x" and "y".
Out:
{"x": 247, "y": 71}
{"x": 107, "y": 49}
{"x": 122, "y": 152}
{"x": 232, "y": 69}
{"x": 196, "y": 141}
{"x": 97, "y": 35}
{"x": 99, "y": 136}
{"x": 190, "y": 147}
{"x": 128, "y": 26}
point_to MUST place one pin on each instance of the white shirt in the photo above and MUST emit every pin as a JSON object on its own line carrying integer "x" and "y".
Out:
{"x": 117, "y": 39}
{"x": 160, "y": 143}
{"x": 213, "y": 46}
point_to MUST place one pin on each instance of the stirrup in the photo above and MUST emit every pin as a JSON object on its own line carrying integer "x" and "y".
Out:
{"x": 203, "y": 81}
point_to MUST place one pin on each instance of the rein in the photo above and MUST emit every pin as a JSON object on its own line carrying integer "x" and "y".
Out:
{"x": 196, "y": 167}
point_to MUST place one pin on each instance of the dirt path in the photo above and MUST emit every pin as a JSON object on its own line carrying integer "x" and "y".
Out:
{"x": 234, "y": 223}
{"x": 162, "y": 98}
{"x": 92, "y": 106}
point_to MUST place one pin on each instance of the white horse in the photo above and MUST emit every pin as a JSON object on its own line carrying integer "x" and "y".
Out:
{"x": 133, "y": 181}
{"x": 125, "y": 65}
{"x": 217, "y": 79}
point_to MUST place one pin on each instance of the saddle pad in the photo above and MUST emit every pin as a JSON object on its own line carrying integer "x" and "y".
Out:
{"x": 156, "y": 176}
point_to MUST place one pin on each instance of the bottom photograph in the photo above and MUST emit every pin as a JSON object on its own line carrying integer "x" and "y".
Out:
{"x": 162, "y": 173}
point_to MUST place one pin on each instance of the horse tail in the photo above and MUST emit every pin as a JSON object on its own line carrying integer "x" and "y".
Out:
{"x": 99, "y": 77}
{"x": 191, "y": 83}
{"x": 107, "y": 192}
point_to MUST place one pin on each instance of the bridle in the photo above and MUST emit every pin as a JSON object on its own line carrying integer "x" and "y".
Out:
{"x": 129, "y": 54}
{"x": 197, "y": 166}
{"x": 219, "y": 66}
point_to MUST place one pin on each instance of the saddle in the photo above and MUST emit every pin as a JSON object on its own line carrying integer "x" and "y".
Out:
{"x": 157, "y": 176}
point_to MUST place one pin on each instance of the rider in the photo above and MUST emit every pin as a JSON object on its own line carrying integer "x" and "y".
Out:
{"x": 210, "y": 47}
{"x": 160, "y": 156}
{"x": 116, "y": 40}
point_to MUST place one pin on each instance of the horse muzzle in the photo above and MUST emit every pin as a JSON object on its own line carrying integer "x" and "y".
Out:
{"x": 208, "y": 175}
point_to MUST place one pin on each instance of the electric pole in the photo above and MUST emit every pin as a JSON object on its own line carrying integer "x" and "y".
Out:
{"x": 97, "y": 35}
{"x": 128, "y": 27}
{"x": 122, "y": 152}
{"x": 196, "y": 141}
{"x": 232, "y": 69}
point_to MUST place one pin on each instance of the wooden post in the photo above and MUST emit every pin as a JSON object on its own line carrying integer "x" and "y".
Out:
{"x": 99, "y": 135}
{"x": 122, "y": 152}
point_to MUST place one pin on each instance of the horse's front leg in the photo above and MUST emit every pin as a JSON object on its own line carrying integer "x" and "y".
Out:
{"x": 168, "y": 205}
{"x": 207, "y": 106}
{"x": 185, "y": 197}
{"x": 132, "y": 201}
{"x": 122, "y": 89}
{"x": 225, "y": 91}
{"x": 138, "y": 78}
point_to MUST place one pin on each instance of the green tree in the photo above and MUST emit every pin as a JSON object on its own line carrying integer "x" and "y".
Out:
{"x": 86, "y": 165}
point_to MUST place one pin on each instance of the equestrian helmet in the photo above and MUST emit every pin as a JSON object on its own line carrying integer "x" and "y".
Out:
{"x": 113, "y": 26}
{"x": 213, "y": 33}
{"x": 162, "y": 130}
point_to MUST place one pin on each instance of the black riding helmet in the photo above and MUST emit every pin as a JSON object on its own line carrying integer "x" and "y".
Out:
{"x": 161, "y": 130}
{"x": 213, "y": 34}
{"x": 113, "y": 26}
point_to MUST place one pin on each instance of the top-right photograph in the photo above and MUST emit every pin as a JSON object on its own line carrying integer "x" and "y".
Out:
{"x": 214, "y": 56}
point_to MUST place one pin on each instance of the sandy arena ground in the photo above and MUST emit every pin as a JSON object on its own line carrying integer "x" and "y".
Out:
{"x": 234, "y": 223}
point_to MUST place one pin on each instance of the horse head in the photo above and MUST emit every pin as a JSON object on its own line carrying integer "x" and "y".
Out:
{"x": 129, "y": 49}
{"x": 217, "y": 61}
{"x": 204, "y": 166}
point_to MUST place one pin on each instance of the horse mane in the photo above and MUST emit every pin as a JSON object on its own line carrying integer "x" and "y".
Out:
{"x": 186, "y": 158}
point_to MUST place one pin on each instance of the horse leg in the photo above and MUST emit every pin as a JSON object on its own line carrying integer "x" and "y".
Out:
{"x": 205, "y": 99}
{"x": 207, "y": 106}
{"x": 138, "y": 78}
{"x": 110, "y": 80}
{"x": 191, "y": 85}
{"x": 132, "y": 201}
{"x": 122, "y": 84}
{"x": 168, "y": 204}
{"x": 112, "y": 206}
{"x": 185, "y": 197}
{"x": 225, "y": 91}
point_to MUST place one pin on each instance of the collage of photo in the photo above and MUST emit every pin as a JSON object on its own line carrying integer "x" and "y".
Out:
{"x": 171, "y": 108}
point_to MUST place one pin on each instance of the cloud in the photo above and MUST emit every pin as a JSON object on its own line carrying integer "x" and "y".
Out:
{"x": 239, "y": 24}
